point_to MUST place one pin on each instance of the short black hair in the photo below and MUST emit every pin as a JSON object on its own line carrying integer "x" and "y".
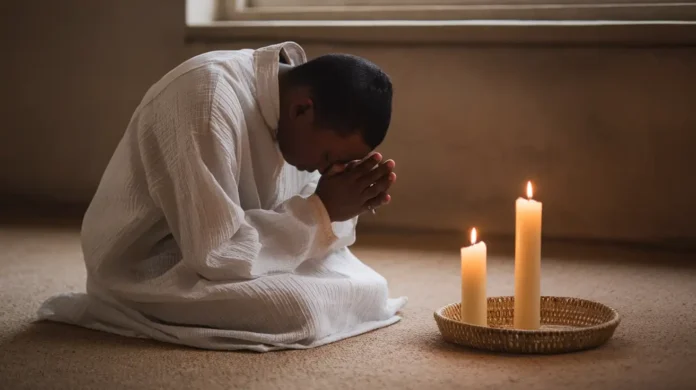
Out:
{"x": 350, "y": 94}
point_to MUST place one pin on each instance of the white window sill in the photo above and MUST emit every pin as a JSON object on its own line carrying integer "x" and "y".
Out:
{"x": 630, "y": 33}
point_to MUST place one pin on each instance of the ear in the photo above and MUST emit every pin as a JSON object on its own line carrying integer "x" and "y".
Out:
{"x": 305, "y": 107}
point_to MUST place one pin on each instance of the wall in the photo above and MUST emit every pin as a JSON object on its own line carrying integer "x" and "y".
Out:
{"x": 606, "y": 134}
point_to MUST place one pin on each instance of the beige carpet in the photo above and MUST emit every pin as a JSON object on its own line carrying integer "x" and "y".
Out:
{"x": 654, "y": 348}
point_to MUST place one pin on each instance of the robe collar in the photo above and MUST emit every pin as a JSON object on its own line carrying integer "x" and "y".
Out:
{"x": 266, "y": 66}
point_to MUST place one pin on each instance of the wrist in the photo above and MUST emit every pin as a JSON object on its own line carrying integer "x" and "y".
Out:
{"x": 324, "y": 211}
{"x": 322, "y": 214}
{"x": 333, "y": 231}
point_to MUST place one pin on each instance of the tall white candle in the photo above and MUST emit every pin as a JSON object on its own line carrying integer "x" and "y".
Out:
{"x": 527, "y": 262}
{"x": 474, "y": 307}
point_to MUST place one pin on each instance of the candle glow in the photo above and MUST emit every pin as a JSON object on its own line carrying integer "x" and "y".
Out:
{"x": 473, "y": 236}
{"x": 529, "y": 190}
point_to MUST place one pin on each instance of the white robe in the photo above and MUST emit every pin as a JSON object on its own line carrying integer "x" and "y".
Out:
{"x": 201, "y": 234}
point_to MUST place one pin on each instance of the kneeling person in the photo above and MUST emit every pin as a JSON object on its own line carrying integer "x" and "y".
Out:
{"x": 224, "y": 217}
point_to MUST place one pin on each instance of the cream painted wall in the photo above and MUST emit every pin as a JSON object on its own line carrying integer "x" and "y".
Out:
{"x": 606, "y": 133}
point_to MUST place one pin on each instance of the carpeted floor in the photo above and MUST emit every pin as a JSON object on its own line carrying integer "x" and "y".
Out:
{"x": 654, "y": 347}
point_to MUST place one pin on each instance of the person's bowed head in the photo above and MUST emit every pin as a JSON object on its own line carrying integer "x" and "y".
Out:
{"x": 335, "y": 110}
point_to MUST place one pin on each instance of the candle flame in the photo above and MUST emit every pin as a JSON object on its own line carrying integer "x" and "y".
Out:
{"x": 529, "y": 190}
{"x": 473, "y": 236}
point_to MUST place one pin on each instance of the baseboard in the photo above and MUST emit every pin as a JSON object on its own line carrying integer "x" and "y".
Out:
{"x": 37, "y": 210}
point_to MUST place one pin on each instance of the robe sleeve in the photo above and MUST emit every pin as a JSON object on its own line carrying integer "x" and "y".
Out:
{"x": 343, "y": 231}
{"x": 193, "y": 166}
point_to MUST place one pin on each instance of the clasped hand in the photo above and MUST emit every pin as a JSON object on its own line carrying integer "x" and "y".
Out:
{"x": 356, "y": 187}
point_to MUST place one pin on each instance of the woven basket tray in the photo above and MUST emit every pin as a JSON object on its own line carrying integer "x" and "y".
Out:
{"x": 568, "y": 325}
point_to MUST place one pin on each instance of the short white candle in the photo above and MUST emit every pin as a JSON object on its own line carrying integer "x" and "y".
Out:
{"x": 474, "y": 306}
{"x": 527, "y": 262}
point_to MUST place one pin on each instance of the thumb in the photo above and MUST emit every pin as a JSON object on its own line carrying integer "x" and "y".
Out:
{"x": 336, "y": 169}
{"x": 352, "y": 164}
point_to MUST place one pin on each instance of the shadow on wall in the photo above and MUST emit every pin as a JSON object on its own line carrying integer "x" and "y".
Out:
{"x": 605, "y": 133}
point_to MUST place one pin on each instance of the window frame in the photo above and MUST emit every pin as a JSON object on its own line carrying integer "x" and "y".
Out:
{"x": 562, "y": 10}
{"x": 224, "y": 21}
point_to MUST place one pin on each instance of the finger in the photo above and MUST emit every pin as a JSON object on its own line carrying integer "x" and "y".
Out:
{"x": 378, "y": 201}
{"x": 381, "y": 185}
{"x": 351, "y": 165}
{"x": 335, "y": 169}
{"x": 366, "y": 166}
{"x": 373, "y": 176}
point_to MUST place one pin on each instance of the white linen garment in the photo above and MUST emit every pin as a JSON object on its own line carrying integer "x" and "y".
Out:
{"x": 200, "y": 234}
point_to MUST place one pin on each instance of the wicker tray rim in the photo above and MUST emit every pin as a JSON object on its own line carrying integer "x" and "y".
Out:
{"x": 612, "y": 322}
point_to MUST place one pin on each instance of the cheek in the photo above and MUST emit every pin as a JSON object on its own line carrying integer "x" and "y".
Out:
{"x": 304, "y": 153}
{"x": 291, "y": 151}
{"x": 313, "y": 150}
